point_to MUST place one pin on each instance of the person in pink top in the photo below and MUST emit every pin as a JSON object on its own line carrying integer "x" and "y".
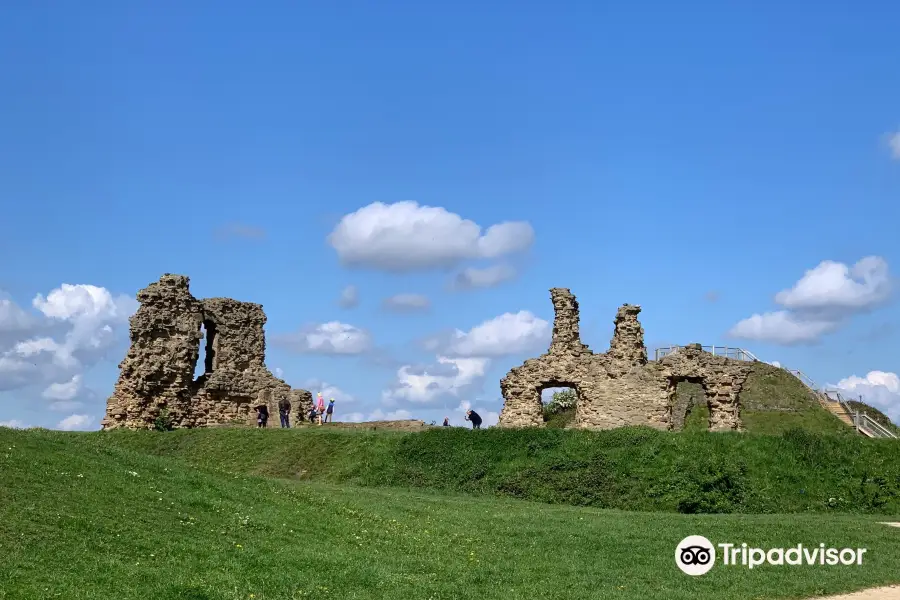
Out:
{"x": 320, "y": 406}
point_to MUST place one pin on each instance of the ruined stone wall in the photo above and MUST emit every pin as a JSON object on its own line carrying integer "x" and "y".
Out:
{"x": 158, "y": 371}
{"x": 620, "y": 387}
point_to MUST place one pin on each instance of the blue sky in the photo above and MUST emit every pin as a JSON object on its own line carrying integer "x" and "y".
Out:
{"x": 694, "y": 159}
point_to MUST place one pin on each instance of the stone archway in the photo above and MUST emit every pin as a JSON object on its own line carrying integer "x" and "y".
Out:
{"x": 720, "y": 396}
{"x": 575, "y": 387}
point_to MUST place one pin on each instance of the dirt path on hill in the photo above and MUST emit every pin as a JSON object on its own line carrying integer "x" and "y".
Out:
{"x": 891, "y": 592}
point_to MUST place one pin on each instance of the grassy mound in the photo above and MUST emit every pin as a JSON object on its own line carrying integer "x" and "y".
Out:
{"x": 81, "y": 517}
{"x": 875, "y": 414}
{"x": 772, "y": 402}
{"x": 627, "y": 468}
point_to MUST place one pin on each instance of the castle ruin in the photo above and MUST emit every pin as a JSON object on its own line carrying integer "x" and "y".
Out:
{"x": 620, "y": 387}
{"x": 158, "y": 372}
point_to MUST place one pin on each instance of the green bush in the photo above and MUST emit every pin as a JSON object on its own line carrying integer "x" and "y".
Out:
{"x": 163, "y": 421}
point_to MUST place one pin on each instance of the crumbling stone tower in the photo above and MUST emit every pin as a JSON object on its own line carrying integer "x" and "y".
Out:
{"x": 620, "y": 387}
{"x": 158, "y": 370}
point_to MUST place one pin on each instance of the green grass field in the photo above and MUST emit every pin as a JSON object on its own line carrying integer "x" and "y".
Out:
{"x": 82, "y": 517}
{"x": 628, "y": 468}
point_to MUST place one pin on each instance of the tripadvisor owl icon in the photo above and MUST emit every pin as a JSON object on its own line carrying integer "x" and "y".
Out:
{"x": 695, "y": 555}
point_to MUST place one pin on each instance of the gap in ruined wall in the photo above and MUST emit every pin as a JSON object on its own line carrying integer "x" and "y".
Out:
{"x": 560, "y": 404}
{"x": 206, "y": 359}
{"x": 690, "y": 410}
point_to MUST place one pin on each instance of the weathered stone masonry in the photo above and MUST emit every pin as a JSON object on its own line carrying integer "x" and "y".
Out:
{"x": 620, "y": 387}
{"x": 158, "y": 371}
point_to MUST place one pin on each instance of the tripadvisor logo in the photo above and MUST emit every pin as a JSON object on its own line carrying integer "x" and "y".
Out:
{"x": 696, "y": 555}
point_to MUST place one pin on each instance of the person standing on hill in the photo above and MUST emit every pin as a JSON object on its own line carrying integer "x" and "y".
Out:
{"x": 320, "y": 407}
{"x": 329, "y": 412}
{"x": 475, "y": 418}
{"x": 446, "y": 422}
{"x": 284, "y": 411}
{"x": 262, "y": 415}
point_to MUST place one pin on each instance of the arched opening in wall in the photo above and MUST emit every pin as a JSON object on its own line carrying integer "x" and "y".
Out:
{"x": 560, "y": 403}
{"x": 690, "y": 409}
{"x": 207, "y": 356}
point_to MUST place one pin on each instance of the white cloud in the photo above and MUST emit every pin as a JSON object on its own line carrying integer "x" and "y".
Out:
{"x": 279, "y": 372}
{"x": 464, "y": 358}
{"x": 65, "y": 405}
{"x": 76, "y": 327}
{"x": 354, "y": 417}
{"x": 64, "y": 391}
{"x": 775, "y": 363}
{"x": 894, "y": 144}
{"x": 76, "y": 423}
{"x": 327, "y": 390}
{"x": 405, "y": 303}
{"x": 12, "y": 318}
{"x": 509, "y": 333}
{"x": 425, "y": 384}
{"x": 349, "y": 297}
{"x": 334, "y": 338}
{"x": 472, "y": 278}
{"x": 834, "y": 286}
{"x": 13, "y": 424}
{"x": 878, "y": 389}
{"x": 405, "y": 236}
{"x": 820, "y": 302}
{"x": 781, "y": 327}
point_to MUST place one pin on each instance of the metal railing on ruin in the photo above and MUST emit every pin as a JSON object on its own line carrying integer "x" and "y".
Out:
{"x": 725, "y": 351}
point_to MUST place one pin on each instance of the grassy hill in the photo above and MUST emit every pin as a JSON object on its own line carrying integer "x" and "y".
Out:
{"x": 93, "y": 516}
{"x": 627, "y": 468}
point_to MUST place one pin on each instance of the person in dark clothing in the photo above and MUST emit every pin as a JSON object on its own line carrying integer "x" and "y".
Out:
{"x": 262, "y": 415}
{"x": 475, "y": 418}
{"x": 312, "y": 414}
{"x": 446, "y": 422}
{"x": 284, "y": 411}
{"x": 329, "y": 412}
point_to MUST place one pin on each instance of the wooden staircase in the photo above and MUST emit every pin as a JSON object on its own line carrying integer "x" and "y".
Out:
{"x": 835, "y": 408}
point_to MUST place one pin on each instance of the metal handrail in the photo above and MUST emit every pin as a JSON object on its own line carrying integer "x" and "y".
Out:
{"x": 724, "y": 351}
{"x": 862, "y": 421}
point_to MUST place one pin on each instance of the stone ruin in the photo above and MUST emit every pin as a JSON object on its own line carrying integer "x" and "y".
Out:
{"x": 158, "y": 371}
{"x": 620, "y": 387}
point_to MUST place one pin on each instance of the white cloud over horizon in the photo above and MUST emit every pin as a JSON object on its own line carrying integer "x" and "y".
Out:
{"x": 77, "y": 423}
{"x": 75, "y": 328}
{"x": 405, "y": 236}
{"x": 464, "y": 357}
{"x": 821, "y": 302}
